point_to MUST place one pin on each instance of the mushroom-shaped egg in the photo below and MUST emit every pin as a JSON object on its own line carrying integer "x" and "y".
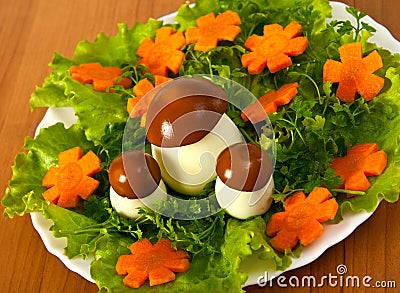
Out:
{"x": 244, "y": 183}
{"x": 133, "y": 175}
{"x": 187, "y": 129}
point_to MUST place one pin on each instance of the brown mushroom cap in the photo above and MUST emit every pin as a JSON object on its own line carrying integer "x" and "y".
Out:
{"x": 134, "y": 174}
{"x": 184, "y": 111}
{"x": 244, "y": 166}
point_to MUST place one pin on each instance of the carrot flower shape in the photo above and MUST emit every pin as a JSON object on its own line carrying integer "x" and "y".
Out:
{"x": 156, "y": 262}
{"x": 211, "y": 29}
{"x": 270, "y": 102}
{"x": 71, "y": 179}
{"x": 164, "y": 52}
{"x": 140, "y": 89}
{"x": 362, "y": 160}
{"x": 100, "y": 77}
{"x": 274, "y": 48}
{"x": 301, "y": 219}
{"x": 355, "y": 73}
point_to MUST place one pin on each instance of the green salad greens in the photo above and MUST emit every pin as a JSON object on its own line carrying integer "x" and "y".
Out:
{"x": 310, "y": 131}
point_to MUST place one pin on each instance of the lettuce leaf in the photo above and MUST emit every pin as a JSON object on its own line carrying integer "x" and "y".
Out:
{"x": 94, "y": 109}
{"x": 68, "y": 224}
{"x": 116, "y": 50}
{"x": 102, "y": 268}
{"x": 310, "y": 13}
{"x": 188, "y": 14}
{"x": 52, "y": 93}
{"x": 382, "y": 127}
{"x": 24, "y": 193}
{"x": 207, "y": 273}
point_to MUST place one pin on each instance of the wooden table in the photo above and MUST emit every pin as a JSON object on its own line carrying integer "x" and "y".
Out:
{"x": 29, "y": 34}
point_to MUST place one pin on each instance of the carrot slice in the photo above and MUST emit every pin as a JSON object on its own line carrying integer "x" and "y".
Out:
{"x": 142, "y": 245}
{"x": 211, "y": 29}
{"x": 279, "y": 62}
{"x": 354, "y": 73}
{"x": 254, "y": 64}
{"x": 277, "y": 224}
{"x": 270, "y": 102}
{"x": 135, "y": 279}
{"x": 301, "y": 219}
{"x": 140, "y": 90}
{"x": 50, "y": 179}
{"x": 160, "y": 276}
{"x": 100, "y": 77}
{"x": 274, "y": 48}
{"x": 284, "y": 240}
{"x": 319, "y": 195}
{"x": 86, "y": 187}
{"x": 291, "y": 201}
{"x": 164, "y": 52}
{"x": 333, "y": 71}
{"x": 157, "y": 262}
{"x": 68, "y": 156}
{"x": 312, "y": 229}
{"x": 293, "y": 29}
{"x": 327, "y": 210}
{"x": 70, "y": 180}
{"x": 362, "y": 160}
{"x": 350, "y": 52}
{"x": 52, "y": 194}
{"x": 90, "y": 163}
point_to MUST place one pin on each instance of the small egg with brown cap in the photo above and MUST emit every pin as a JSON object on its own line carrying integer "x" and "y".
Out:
{"x": 135, "y": 179}
{"x": 187, "y": 129}
{"x": 244, "y": 182}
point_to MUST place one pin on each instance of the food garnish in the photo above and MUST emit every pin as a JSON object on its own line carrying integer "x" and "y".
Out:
{"x": 274, "y": 48}
{"x": 240, "y": 188}
{"x": 71, "y": 179}
{"x": 140, "y": 89}
{"x": 301, "y": 219}
{"x": 362, "y": 160}
{"x": 164, "y": 52}
{"x": 355, "y": 73}
{"x": 99, "y": 76}
{"x": 211, "y": 29}
{"x": 270, "y": 102}
{"x": 157, "y": 262}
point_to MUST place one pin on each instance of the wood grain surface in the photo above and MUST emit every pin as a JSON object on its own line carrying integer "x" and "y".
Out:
{"x": 30, "y": 32}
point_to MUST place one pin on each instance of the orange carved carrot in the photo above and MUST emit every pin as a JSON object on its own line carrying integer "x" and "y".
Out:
{"x": 301, "y": 219}
{"x": 270, "y": 102}
{"x": 140, "y": 89}
{"x": 71, "y": 179}
{"x": 362, "y": 160}
{"x": 100, "y": 77}
{"x": 274, "y": 48}
{"x": 156, "y": 262}
{"x": 355, "y": 73}
{"x": 164, "y": 52}
{"x": 211, "y": 29}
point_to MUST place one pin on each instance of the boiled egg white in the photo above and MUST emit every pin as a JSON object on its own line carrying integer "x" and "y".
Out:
{"x": 135, "y": 179}
{"x": 187, "y": 169}
{"x": 187, "y": 129}
{"x": 244, "y": 183}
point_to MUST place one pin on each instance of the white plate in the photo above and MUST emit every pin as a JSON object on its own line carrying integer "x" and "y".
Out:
{"x": 332, "y": 235}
